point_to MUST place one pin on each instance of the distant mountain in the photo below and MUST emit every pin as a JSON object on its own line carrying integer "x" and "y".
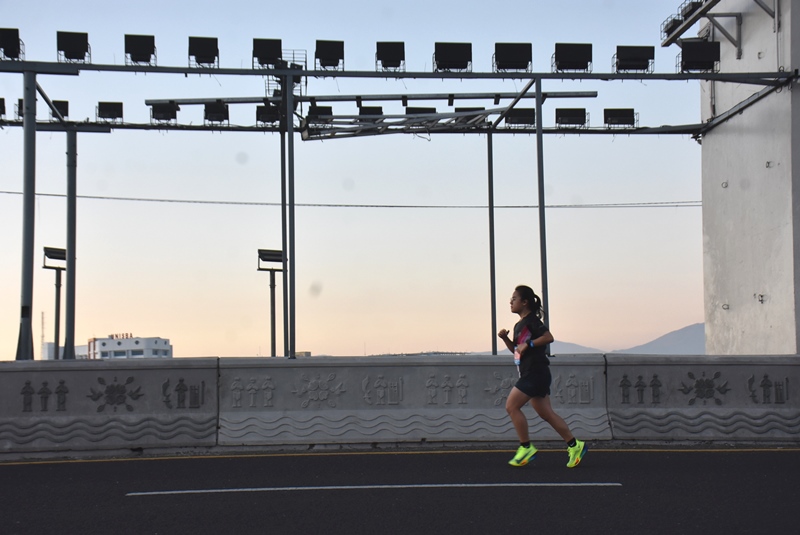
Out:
{"x": 566, "y": 348}
{"x": 690, "y": 340}
{"x": 556, "y": 348}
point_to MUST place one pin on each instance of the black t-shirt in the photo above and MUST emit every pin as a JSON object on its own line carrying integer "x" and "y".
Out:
{"x": 534, "y": 358}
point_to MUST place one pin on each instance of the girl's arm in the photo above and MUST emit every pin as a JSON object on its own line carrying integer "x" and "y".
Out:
{"x": 544, "y": 339}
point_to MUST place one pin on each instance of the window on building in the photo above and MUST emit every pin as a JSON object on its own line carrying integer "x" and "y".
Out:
{"x": 137, "y": 353}
{"x": 120, "y": 354}
{"x": 104, "y": 354}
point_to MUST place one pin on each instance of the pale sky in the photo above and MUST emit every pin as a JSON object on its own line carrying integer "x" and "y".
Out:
{"x": 369, "y": 280}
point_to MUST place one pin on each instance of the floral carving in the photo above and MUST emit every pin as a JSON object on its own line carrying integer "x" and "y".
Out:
{"x": 319, "y": 390}
{"x": 114, "y": 394}
{"x": 705, "y": 389}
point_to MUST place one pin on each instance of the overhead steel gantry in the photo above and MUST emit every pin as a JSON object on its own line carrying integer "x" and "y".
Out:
{"x": 320, "y": 126}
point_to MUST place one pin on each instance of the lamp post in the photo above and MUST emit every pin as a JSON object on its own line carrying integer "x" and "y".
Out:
{"x": 274, "y": 256}
{"x": 54, "y": 253}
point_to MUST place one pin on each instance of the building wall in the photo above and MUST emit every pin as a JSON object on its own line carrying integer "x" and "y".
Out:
{"x": 750, "y": 209}
{"x": 115, "y": 347}
{"x": 129, "y": 347}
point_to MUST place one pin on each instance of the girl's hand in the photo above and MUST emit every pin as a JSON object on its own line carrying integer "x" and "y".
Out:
{"x": 503, "y": 334}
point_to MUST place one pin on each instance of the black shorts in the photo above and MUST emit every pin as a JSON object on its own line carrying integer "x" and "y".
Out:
{"x": 536, "y": 384}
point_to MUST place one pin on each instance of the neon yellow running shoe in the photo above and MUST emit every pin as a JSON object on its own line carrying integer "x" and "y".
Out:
{"x": 524, "y": 456}
{"x": 576, "y": 453}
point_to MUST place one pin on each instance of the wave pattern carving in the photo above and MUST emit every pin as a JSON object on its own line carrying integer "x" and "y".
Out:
{"x": 300, "y": 425}
{"x": 736, "y": 422}
{"x": 94, "y": 431}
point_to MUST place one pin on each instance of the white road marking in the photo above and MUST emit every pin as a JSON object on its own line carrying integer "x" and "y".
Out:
{"x": 371, "y": 487}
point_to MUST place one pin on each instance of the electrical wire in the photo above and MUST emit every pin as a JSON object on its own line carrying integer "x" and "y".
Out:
{"x": 653, "y": 204}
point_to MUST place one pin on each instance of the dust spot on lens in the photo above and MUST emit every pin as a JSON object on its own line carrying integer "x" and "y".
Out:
{"x": 316, "y": 289}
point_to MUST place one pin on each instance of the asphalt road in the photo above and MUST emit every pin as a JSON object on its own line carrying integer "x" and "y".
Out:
{"x": 728, "y": 491}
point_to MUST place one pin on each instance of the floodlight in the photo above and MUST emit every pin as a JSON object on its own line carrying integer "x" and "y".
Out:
{"x": 73, "y": 47}
{"x": 688, "y": 8}
{"x": 63, "y": 108}
{"x": 368, "y": 113}
{"x": 452, "y": 57}
{"x": 204, "y": 51}
{"x": 521, "y": 116}
{"x": 513, "y": 57}
{"x": 390, "y": 56}
{"x": 2, "y": 107}
{"x": 20, "y": 109}
{"x": 11, "y": 46}
{"x": 109, "y": 111}
{"x": 319, "y": 114}
{"x": 572, "y": 57}
{"x": 215, "y": 112}
{"x": 571, "y": 117}
{"x": 699, "y": 55}
{"x": 620, "y": 117}
{"x": 669, "y": 26}
{"x": 164, "y": 113}
{"x": 411, "y": 110}
{"x": 268, "y": 114}
{"x": 267, "y": 53}
{"x": 329, "y": 54}
{"x": 140, "y": 49}
{"x": 634, "y": 58}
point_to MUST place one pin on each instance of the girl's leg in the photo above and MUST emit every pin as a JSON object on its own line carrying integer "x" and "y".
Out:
{"x": 545, "y": 411}
{"x": 516, "y": 400}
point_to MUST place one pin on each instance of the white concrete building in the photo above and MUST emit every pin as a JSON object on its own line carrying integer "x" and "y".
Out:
{"x": 117, "y": 346}
{"x": 751, "y": 207}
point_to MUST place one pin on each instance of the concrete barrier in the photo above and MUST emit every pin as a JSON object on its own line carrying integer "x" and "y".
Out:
{"x": 704, "y": 398}
{"x": 48, "y": 406}
{"x": 396, "y": 399}
{"x": 101, "y": 404}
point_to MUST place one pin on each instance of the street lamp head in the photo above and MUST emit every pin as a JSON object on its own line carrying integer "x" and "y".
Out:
{"x": 54, "y": 253}
{"x": 269, "y": 255}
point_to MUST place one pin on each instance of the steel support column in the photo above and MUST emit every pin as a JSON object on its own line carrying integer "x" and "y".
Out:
{"x": 492, "y": 275}
{"x": 25, "y": 341}
{"x": 284, "y": 242}
{"x": 288, "y": 88}
{"x": 72, "y": 196}
{"x": 540, "y": 175}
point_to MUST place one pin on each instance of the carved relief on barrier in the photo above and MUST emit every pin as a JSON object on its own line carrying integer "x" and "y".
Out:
{"x": 641, "y": 386}
{"x": 501, "y": 387}
{"x": 268, "y": 387}
{"x": 382, "y": 391}
{"x": 195, "y": 394}
{"x": 432, "y": 386}
{"x": 578, "y": 391}
{"x": 316, "y": 390}
{"x": 249, "y": 393}
{"x": 115, "y": 394}
{"x": 29, "y": 391}
{"x": 461, "y": 386}
{"x": 776, "y": 392}
{"x": 705, "y": 389}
